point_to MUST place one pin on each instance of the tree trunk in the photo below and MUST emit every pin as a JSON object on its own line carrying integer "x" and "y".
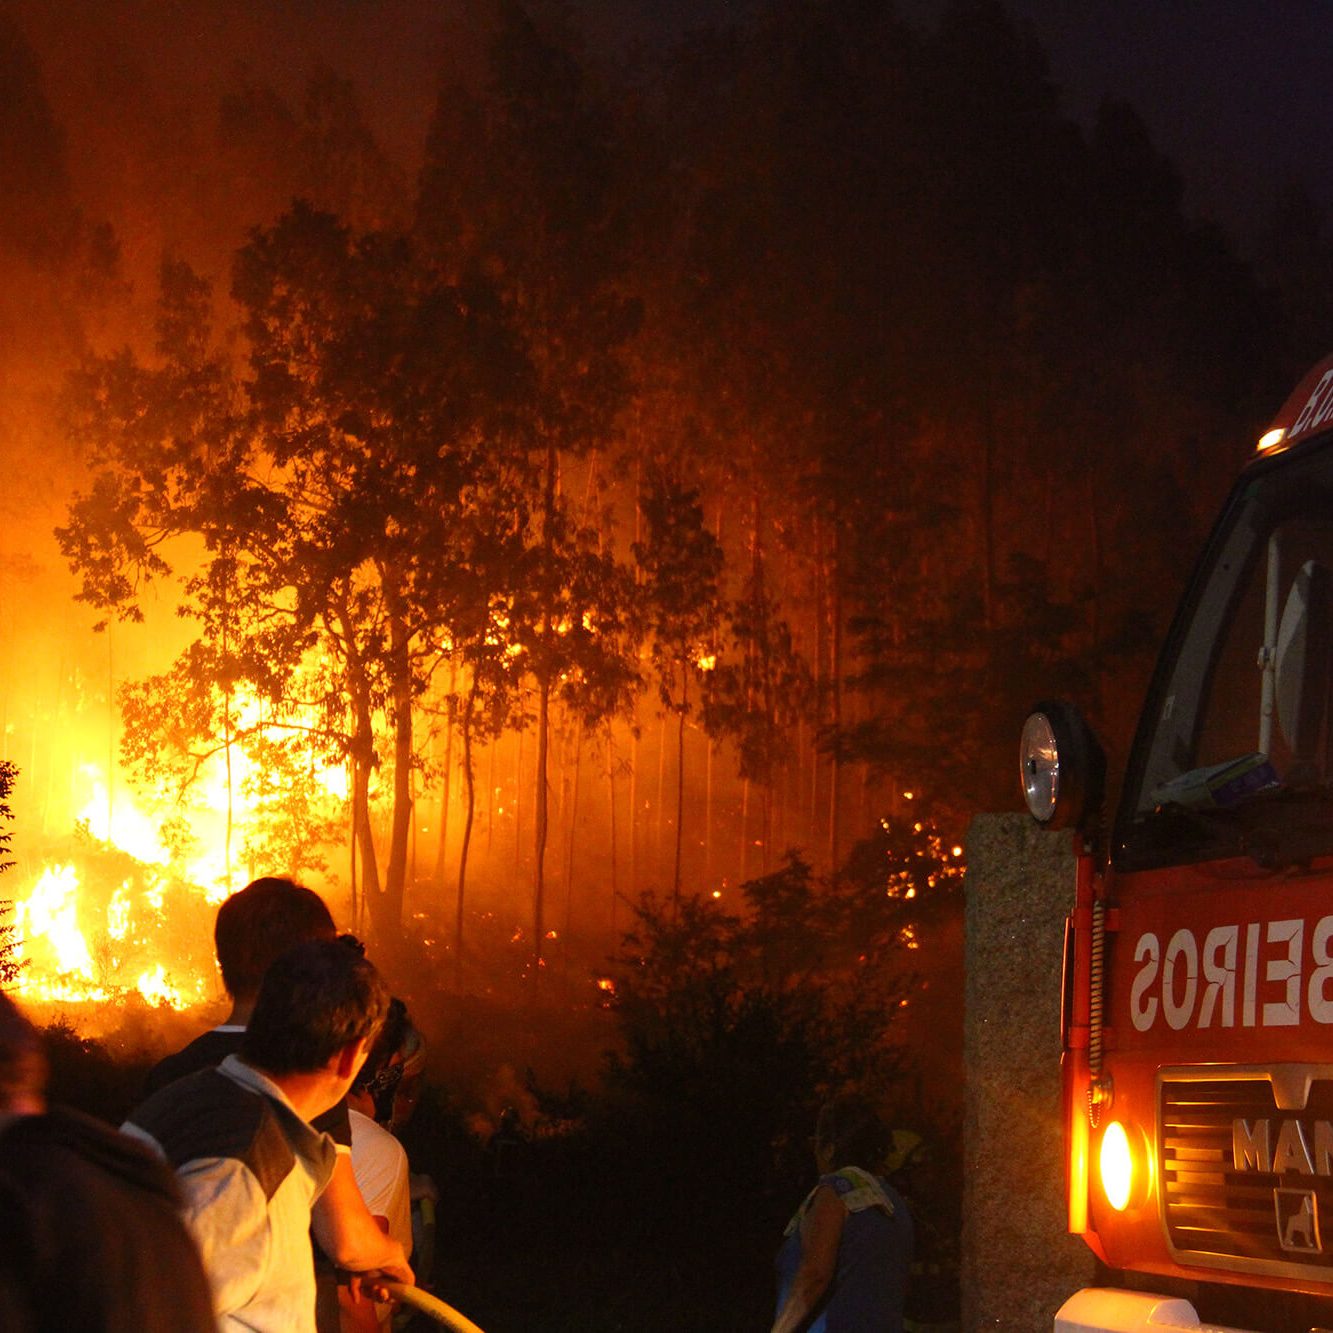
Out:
{"x": 412, "y": 806}
{"x": 572, "y": 821}
{"x": 490, "y": 792}
{"x": 226, "y": 748}
{"x": 745, "y": 830}
{"x": 363, "y": 763}
{"x": 660, "y": 813}
{"x": 634, "y": 877}
{"x": 835, "y": 682}
{"x": 362, "y": 755}
{"x": 395, "y": 875}
{"x": 611, "y": 805}
{"x": 469, "y": 784}
{"x": 518, "y": 800}
{"x": 680, "y": 785}
{"x": 821, "y": 681}
{"x": 753, "y": 662}
{"x": 634, "y": 812}
{"x": 557, "y": 765}
{"x": 539, "y": 871}
{"x": 442, "y": 845}
{"x": 544, "y": 718}
{"x": 358, "y": 903}
{"x": 708, "y": 815}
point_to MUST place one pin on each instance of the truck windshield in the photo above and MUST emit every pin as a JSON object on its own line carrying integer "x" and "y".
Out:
{"x": 1233, "y": 757}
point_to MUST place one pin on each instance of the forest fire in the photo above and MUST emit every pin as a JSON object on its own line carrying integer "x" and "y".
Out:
{"x": 583, "y": 487}
{"x": 122, "y": 905}
{"x": 122, "y": 908}
{"x": 71, "y": 957}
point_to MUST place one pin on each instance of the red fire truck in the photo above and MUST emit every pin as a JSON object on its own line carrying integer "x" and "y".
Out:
{"x": 1198, "y": 1005}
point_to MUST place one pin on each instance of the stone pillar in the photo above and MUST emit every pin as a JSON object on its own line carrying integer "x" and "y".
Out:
{"x": 1018, "y": 1261}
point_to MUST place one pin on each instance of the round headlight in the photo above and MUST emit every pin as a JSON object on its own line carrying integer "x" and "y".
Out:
{"x": 1039, "y": 759}
{"x": 1062, "y": 766}
{"x": 1125, "y": 1166}
{"x": 1117, "y": 1166}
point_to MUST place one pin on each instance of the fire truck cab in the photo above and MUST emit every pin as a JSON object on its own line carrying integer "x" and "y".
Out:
{"x": 1197, "y": 1031}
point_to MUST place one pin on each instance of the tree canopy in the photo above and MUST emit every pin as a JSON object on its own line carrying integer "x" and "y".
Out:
{"x": 823, "y": 375}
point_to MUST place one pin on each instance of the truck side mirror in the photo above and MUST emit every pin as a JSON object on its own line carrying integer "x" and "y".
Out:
{"x": 1063, "y": 768}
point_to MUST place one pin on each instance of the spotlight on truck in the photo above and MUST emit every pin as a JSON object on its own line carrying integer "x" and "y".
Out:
{"x": 1063, "y": 767}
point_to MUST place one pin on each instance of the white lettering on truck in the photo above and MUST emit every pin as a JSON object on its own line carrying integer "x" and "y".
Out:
{"x": 1317, "y": 407}
{"x": 1189, "y": 983}
{"x": 1182, "y": 959}
{"x": 1252, "y": 1147}
{"x": 1219, "y": 976}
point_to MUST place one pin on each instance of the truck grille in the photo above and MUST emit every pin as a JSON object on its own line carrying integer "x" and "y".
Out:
{"x": 1271, "y": 1211}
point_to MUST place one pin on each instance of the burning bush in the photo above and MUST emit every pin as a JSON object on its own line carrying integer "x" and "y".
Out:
{"x": 94, "y": 926}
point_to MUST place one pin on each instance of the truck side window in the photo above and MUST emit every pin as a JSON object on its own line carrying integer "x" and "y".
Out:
{"x": 1235, "y": 744}
{"x": 1293, "y": 741}
{"x": 1230, "y": 709}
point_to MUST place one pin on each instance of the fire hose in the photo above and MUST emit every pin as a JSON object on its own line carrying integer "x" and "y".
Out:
{"x": 444, "y": 1315}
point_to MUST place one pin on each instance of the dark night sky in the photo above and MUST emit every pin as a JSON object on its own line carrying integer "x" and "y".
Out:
{"x": 1233, "y": 91}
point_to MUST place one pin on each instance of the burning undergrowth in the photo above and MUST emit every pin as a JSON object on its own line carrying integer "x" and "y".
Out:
{"x": 102, "y": 937}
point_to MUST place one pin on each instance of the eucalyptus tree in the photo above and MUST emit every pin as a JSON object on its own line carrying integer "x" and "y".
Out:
{"x": 530, "y": 179}
{"x": 331, "y": 507}
{"x": 681, "y": 565}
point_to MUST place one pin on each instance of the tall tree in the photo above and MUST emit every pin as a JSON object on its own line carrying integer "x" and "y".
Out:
{"x": 528, "y": 180}
{"x": 333, "y": 481}
{"x": 681, "y": 563}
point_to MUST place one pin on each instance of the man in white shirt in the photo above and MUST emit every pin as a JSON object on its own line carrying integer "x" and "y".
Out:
{"x": 247, "y": 1159}
{"x": 255, "y": 926}
{"x": 380, "y": 1165}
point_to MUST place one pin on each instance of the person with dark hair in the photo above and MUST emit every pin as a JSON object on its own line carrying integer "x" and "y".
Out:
{"x": 255, "y": 926}
{"x": 90, "y": 1236}
{"x": 846, "y": 1253}
{"x": 248, "y": 1161}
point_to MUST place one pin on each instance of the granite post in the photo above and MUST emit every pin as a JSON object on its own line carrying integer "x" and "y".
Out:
{"x": 1018, "y": 1261}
